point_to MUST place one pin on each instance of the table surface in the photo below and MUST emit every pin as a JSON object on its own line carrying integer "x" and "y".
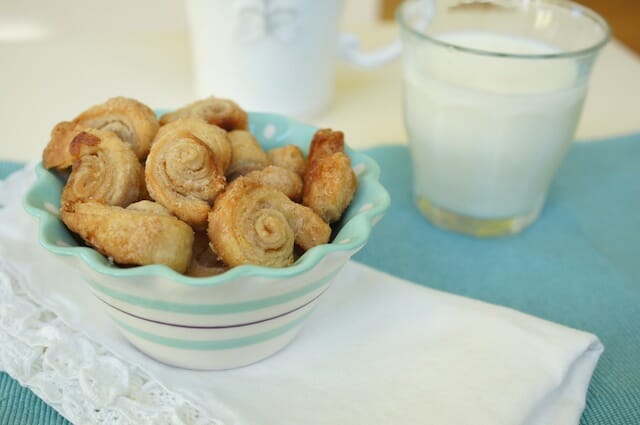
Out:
{"x": 48, "y": 81}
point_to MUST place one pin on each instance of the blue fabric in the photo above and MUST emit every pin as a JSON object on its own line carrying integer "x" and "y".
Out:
{"x": 578, "y": 265}
{"x": 20, "y": 406}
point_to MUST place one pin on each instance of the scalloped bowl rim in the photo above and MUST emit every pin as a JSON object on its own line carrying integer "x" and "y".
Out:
{"x": 363, "y": 221}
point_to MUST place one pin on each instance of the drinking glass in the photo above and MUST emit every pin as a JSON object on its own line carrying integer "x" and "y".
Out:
{"x": 493, "y": 91}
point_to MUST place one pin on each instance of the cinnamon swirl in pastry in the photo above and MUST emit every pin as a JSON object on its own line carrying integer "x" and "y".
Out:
{"x": 251, "y": 223}
{"x": 136, "y": 235}
{"x": 186, "y": 167}
{"x": 198, "y": 223}
{"x": 134, "y": 122}
{"x": 246, "y": 154}
{"x": 224, "y": 113}
{"x": 329, "y": 180}
{"x": 104, "y": 169}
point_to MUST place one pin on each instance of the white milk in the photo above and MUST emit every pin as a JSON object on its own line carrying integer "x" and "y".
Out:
{"x": 487, "y": 133}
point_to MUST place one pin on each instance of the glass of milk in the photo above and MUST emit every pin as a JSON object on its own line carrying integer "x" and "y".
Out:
{"x": 493, "y": 92}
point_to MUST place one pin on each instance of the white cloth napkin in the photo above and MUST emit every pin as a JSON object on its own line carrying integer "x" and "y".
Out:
{"x": 377, "y": 350}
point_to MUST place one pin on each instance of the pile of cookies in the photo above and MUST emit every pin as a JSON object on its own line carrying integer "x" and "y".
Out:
{"x": 194, "y": 190}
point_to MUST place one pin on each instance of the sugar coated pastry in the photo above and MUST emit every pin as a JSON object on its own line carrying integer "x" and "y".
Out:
{"x": 246, "y": 154}
{"x": 308, "y": 227}
{"x": 282, "y": 179}
{"x": 56, "y": 154}
{"x": 289, "y": 157}
{"x": 251, "y": 223}
{"x": 104, "y": 169}
{"x": 149, "y": 207}
{"x": 186, "y": 166}
{"x": 224, "y": 113}
{"x": 196, "y": 190}
{"x": 131, "y": 236}
{"x": 133, "y": 121}
{"x": 329, "y": 180}
{"x": 324, "y": 143}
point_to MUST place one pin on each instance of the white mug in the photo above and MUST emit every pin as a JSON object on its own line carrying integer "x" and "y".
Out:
{"x": 273, "y": 55}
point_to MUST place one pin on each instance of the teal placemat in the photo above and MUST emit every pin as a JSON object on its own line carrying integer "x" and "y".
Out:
{"x": 578, "y": 265}
{"x": 19, "y": 406}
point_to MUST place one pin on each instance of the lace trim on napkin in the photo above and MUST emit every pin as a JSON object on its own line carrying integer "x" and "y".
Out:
{"x": 79, "y": 378}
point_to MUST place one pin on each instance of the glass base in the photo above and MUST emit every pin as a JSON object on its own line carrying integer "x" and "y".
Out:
{"x": 478, "y": 227}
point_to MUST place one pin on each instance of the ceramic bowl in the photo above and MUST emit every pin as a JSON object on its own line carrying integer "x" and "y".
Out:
{"x": 224, "y": 321}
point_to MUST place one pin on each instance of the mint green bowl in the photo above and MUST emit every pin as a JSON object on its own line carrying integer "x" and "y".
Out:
{"x": 224, "y": 321}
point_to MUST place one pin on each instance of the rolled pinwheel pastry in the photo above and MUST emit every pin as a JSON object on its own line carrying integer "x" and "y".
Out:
{"x": 186, "y": 167}
{"x": 289, "y": 157}
{"x": 56, "y": 154}
{"x": 251, "y": 223}
{"x": 104, "y": 169}
{"x": 224, "y": 113}
{"x": 329, "y": 180}
{"x": 246, "y": 154}
{"x": 134, "y": 122}
{"x": 140, "y": 234}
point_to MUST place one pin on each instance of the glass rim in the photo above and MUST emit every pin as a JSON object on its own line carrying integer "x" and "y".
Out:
{"x": 583, "y": 11}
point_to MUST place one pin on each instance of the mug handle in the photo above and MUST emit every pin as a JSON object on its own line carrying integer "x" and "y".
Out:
{"x": 350, "y": 50}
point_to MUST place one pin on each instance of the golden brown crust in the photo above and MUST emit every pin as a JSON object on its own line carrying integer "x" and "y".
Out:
{"x": 133, "y": 121}
{"x": 324, "y": 143}
{"x": 246, "y": 228}
{"x": 186, "y": 166}
{"x": 330, "y": 186}
{"x": 246, "y": 154}
{"x": 131, "y": 236}
{"x": 149, "y": 207}
{"x": 289, "y": 157}
{"x": 224, "y": 113}
{"x": 254, "y": 224}
{"x": 329, "y": 180}
{"x": 308, "y": 227}
{"x": 281, "y": 179}
{"x": 56, "y": 154}
{"x": 104, "y": 169}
